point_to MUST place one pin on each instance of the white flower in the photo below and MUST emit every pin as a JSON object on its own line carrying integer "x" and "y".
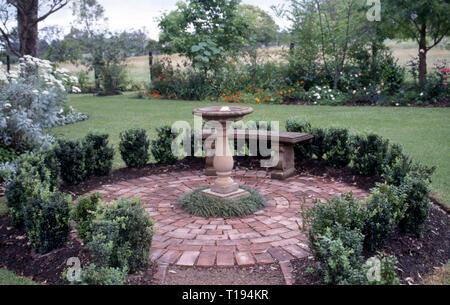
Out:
{"x": 397, "y": 104}
{"x": 7, "y": 105}
{"x": 421, "y": 93}
{"x": 45, "y": 92}
{"x": 329, "y": 90}
{"x": 35, "y": 91}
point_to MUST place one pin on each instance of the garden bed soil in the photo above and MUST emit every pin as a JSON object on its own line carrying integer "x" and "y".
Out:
{"x": 417, "y": 257}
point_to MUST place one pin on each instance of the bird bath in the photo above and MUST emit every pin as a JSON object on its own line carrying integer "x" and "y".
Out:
{"x": 224, "y": 186}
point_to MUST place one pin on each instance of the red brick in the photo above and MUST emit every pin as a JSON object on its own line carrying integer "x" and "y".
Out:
{"x": 188, "y": 258}
{"x": 285, "y": 242}
{"x": 225, "y": 259}
{"x": 275, "y": 231}
{"x": 206, "y": 259}
{"x": 244, "y": 259}
{"x": 264, "y": 258}
{"x": 296, "y": 251}
{"x": 266, "y": 239}
{"x": 280, "y": 255}
{"x": 170, "y": 256}
{"x": 155, "y": 253}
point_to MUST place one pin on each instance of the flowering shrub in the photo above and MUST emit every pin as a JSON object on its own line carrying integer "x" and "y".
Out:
{"x": 324, "y": 96}
{"x": 32, "y": 98}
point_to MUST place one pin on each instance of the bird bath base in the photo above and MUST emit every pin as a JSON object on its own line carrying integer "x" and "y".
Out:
{"x": 240, "y": 193}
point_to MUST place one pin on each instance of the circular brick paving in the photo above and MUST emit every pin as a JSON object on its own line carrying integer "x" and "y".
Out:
{"x": 270, "y": 235}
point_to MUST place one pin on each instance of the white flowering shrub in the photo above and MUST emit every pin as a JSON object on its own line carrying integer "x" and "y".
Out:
{"x": 325, "y": 95}
{"x": 32, "y": 98}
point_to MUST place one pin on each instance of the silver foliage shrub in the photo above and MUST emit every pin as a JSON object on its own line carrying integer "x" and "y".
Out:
{"x": 32, "y": 98}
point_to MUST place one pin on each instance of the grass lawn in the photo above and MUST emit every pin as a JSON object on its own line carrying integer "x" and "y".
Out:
{"x": 10, "y": 278}
{"x": 424, "y": 132}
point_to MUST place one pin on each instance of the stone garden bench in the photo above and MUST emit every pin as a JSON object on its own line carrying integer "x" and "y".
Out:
{"x": 286, "y": 165}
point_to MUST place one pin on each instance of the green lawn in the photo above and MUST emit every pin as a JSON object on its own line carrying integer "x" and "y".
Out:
{"x": 424, "y": 132}
{"x": 10, "y": 278}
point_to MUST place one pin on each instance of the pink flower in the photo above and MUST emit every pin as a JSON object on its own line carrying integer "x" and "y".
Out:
{"x": 443, "y": 71}
{"x": 445, "y": 84}
{"x": 448, "y": 70}
{"x": 422, "y": 51}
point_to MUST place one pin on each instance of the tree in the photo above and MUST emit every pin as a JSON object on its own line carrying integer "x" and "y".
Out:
{"x": 260, "y": 24}
{"x": 90, "y": 27}
{"x": 198, "y": 21}
{"x": 426, "y": 21}
{"x": 28, "y": 14}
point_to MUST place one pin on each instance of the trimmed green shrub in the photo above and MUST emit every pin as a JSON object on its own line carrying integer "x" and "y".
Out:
{"x": 338, "y": 147}
{"x": 339, "y": 260}
{"x": 83, "y": 213}
{"x": 134, "y": 146}
{"x": 396, "y": 170}
{"x": 318, "y": 142}
{"x": 303, "y": 150}
{"x": 47, "y": 220}
{"x": 345, "y": 211}
{"x": 370, "y": 153}
{"x": 199, "y": 204}
{"x": 162, "y": 146}
{"x": 98, "y": 154}
{"x": 71, "y": 158}
{"x": 121, "y": 235}
{"x": 416, "y": 188}
{"x": 96, "y": 275}
{"x": 380, "y": 270}
{"x": 7, "y": 154}
{"x": 31, "y": 175}
{"x": 385, "y": 207}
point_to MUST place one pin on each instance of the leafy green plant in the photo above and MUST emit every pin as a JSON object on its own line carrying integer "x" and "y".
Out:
{"x": 71, "y": 158}
{"x": 369, "y": 154}
{"x": 46, "y": 218}
{"x": 303, "y": 150}
{"x": 386, "y": 208}
{"x": 25, "y": 183}
{"x": 96, "y": 275}
{"x": 416, "y": 188}
{"x": 83, "y": 213}
{"x": 134, "y": 146}
{"x": 98, "y": 154}
{"x": 121, "y": 235}
{"x": 387, "y": 266}
{"x": 339, "y": 260}
{"x": 162, "y": 146}
{"x": 338, "y": 147}
{"x": 206, "y": 55}
{"x": 199, "y": 204}
{"x": 345, "y": 211}
{"x": 318, "y": 142}
{"x": 396, "y": 165}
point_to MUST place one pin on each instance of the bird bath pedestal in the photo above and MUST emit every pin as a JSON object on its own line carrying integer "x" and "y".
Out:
{"x": 224, "y": 186}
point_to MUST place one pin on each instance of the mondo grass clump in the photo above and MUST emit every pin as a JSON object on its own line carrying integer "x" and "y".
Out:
{"x": 200, "y": 204}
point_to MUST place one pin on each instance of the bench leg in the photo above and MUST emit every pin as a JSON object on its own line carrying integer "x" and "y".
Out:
{"x": 286, "y": 165}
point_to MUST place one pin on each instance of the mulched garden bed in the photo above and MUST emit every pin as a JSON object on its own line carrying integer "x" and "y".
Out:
{"x": 417, "y": 257}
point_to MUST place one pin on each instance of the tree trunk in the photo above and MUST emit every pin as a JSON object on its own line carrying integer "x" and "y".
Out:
{"x": 28, "y": 27}
{"x": 422, "y": 58}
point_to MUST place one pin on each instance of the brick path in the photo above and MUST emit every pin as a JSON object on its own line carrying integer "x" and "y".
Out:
{"x": 270, "y": 235}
